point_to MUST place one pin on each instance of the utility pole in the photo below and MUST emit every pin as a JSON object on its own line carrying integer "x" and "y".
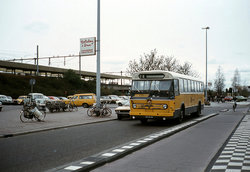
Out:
{"x": 98, "y": 80}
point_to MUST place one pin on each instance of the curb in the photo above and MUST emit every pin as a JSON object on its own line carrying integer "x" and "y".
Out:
{"x": 94, "y": 161}
{"x": 53, "y": 128}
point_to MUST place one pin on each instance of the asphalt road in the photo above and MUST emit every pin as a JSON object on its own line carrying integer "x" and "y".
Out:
{"x": 190, "y": 150}
{"x": 49, "y": 149}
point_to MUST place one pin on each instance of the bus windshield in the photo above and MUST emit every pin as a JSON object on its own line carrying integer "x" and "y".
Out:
{"x": 151, "y": 85}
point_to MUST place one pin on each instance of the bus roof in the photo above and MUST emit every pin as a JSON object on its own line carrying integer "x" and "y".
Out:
{"x": 167, "y": 75}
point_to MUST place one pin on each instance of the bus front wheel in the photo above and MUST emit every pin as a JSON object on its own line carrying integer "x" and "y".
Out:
{"x": 181, "y": 116}
{"x": 144, "y": 121}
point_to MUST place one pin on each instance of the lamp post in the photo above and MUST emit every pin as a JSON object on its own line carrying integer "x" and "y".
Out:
{"x": 98, "y": 80}
{"x": 206, "y": 28}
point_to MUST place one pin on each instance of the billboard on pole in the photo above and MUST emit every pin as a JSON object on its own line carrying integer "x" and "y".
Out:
{"x": 87, "y": 46}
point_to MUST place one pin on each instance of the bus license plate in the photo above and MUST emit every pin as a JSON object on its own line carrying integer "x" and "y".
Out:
{"x": 148, "y": 117}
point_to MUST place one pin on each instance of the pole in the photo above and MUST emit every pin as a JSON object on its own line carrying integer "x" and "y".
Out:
{"x": 37, "y": 68}
{"x": 121, "y": 78}
{"x": 206, "y": 68}
{"x": 98, "y": 83}
{"x": 206, "y": 64}
{"x": 80, "y": 64}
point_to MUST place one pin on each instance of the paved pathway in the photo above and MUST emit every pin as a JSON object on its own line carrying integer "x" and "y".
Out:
{"x": 235, "y": 157}
{"x": 10, "y": 123}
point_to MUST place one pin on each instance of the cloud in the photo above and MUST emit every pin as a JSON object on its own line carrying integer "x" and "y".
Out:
{"x": 37, "y": 27}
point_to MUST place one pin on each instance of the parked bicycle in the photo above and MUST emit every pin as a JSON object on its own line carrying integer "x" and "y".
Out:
{"x": 104, "y": 111}
{"x": 30, "y": 111}
{"x": 72, "y": 106}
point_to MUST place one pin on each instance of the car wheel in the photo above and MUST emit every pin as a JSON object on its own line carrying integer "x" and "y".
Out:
{"x": 119, "y": 117}
{"x": 85, "y": 105}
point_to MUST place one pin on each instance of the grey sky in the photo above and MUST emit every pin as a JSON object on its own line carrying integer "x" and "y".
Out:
{"x": 129, "y": 29}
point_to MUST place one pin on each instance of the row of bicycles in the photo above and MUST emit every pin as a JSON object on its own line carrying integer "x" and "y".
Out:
{"x": 103, "y": 111}
{"x": 31, "y": 111}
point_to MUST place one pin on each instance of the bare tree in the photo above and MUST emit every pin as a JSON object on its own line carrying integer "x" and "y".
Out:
{"x": 151, "y": 61}
{"x": 219, "y": 82}
{"x": 236, "y": 81}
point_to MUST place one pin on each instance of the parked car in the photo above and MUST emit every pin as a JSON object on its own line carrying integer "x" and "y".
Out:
{"x": 53, "y": 98}
{"x": 123, "y": 111}
{"x": 85, "y": 100}
{"x": 20, "y": 99}
{"x": 64, "y": 99}
{"x": 121, "y": 102}
{"x": 40, "y": 100}
{"x": 9, "y": 100}
{"x": 240, "y": 98}
{"x": 3, "y": 99}
{"x": 114, "y": 98}
{"x": 105, "y": 99}
{"x": 70, "y": 97}
{"x": 228, "y": 98}
{"x": 1, "y": 106}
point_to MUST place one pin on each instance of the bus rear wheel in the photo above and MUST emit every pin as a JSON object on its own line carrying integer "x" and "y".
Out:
{"x": 198, "y": 112}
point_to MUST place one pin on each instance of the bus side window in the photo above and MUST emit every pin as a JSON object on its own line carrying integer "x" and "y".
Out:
{"x": 176, "y": 87}
{"x": 181, "y": 85}
{"x": 202, "y": 87}
{"x": 193, "y": 86}
{"x": 197, "y": 86}
{"x": 185, "y": 85}
{"x": 189, "y": 86}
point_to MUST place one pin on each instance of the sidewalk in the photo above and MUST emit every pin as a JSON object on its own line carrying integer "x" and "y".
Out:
{"x": 10, "y": 124}
{"x": 236, "y": 155}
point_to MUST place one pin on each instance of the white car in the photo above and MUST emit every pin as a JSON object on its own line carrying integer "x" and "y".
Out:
{"x": 121, "y": 102}
{"x": 114, "y": 98}
{"x": 1, "y": 106}
{"x": 123, "y": 111}
{"x": 9, "y": 100}
{"x": 3, "y": 99}
{"x": 40, "y": 100}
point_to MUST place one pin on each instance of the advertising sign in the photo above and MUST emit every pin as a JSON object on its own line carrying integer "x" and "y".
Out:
{"x": 87, "y": 46}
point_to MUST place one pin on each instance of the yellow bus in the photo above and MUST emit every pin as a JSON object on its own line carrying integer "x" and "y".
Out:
{"x": 165, "y": 95}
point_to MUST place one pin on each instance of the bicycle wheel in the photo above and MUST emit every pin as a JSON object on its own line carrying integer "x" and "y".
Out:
{"x": 106, "y": 112}
{"x": 75, "y": 108}
{"x": 90, "y": 112}
{"x": 40, "y": 117}
{"x": 70, "y": 107}
{"x": 22, "y": 117}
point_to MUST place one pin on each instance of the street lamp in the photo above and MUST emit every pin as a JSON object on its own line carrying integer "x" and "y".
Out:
{"x": 206, "y": 28}
{"x": 98, "y": 75}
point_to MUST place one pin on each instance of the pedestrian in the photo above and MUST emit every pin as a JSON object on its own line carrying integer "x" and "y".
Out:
{"x": 234, "y": 106}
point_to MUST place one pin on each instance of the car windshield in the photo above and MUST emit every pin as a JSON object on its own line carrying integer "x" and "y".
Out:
{"x": 38, "y": 96}
{"x": 127, "y": 103}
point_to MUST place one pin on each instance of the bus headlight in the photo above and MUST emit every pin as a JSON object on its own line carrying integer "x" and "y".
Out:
{"x": 165, "y": 106}
{"x": 134, "y": 106}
